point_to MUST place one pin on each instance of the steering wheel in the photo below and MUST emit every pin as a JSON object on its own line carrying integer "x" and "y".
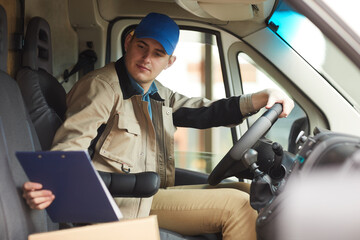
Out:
{"x": 225, "y": 168}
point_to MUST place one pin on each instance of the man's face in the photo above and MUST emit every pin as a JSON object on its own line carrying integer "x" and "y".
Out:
{"x": 145, "y": 59}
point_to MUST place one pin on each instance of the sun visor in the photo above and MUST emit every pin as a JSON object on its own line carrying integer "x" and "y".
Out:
{"x": 228, "y": 10}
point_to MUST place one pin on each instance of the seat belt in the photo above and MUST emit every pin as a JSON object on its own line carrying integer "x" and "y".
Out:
{"x": 93, "y": 142}
{"x": 86, "y": 63}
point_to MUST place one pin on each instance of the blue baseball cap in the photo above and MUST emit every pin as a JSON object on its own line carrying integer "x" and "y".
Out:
{"x": 161, "y": 28}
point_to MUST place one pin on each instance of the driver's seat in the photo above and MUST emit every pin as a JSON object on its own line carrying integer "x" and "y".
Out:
{"x": 44, "y": 96}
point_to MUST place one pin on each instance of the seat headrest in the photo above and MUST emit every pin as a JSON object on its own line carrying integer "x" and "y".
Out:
{"x": 37, "y": 53}
{"x": 3, "y": 40}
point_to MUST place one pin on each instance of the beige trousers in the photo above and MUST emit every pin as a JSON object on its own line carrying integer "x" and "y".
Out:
{"x": 199, "y": 209}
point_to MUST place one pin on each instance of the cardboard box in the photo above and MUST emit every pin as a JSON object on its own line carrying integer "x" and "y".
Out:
{"x": 135, "y": 229}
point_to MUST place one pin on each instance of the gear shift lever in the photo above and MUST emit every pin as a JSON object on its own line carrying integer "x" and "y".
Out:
{"x": 250, "y": 159}
{"x": 261, "y": 191}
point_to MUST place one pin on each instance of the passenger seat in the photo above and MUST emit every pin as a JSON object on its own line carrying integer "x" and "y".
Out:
{"x": 17, "y": 220}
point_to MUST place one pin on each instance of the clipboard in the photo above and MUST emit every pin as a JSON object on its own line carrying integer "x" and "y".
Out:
{"x": 80, "y": 194}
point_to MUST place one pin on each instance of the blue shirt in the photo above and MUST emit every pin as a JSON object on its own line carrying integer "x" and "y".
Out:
{"x": 145, "y": 96}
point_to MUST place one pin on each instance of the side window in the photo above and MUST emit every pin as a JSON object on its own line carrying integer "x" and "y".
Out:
{"x": 197, "y": 73}
{"x": 285, "y": 130}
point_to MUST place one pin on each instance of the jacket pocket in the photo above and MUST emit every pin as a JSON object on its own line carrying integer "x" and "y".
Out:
{"x": 123, "y": 142}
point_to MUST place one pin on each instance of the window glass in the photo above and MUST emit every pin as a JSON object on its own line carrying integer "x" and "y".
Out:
{"x": 311, "y": 44}
{"x": 197, "y": 73}
{"x": 347, "y": 14}
{"x": 285, "y": 130}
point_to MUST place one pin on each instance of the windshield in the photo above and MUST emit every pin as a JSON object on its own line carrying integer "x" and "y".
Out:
{"x": 309, "y": 42}
{"x": 349, "y": 15}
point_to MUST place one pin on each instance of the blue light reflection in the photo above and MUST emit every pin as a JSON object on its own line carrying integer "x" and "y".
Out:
{"x": 288, "y": 21}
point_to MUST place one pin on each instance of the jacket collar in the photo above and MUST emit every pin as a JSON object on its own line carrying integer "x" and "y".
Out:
{"x": 126, "y": 87}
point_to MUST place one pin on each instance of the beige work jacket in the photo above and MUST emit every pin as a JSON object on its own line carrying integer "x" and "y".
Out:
{"x": 131, "y": 140}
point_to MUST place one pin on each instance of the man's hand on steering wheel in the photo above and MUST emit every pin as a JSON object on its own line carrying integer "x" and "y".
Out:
{"x": 226, "y": 167}
{"x": 268, "y": 97}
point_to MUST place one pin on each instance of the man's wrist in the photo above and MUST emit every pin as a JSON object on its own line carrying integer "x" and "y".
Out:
{"x": 260, "y": 99}
{"x": 246, "y": 105}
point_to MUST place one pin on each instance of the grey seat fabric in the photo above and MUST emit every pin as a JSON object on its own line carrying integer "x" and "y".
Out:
{"x": 17, "y": 134}
{"x": 44, "y": 96}
{"x": 3, "y": 40}
{"x": 169, "y": 235}
{"x": 17, "y": 220}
